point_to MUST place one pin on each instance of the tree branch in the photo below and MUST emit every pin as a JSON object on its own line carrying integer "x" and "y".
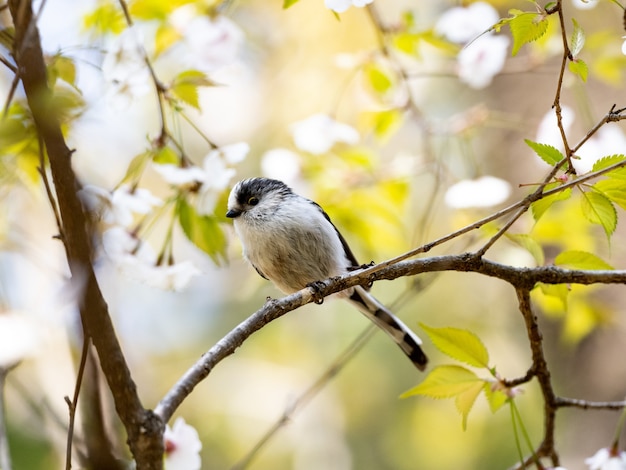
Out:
{"x": 143, "y": 427}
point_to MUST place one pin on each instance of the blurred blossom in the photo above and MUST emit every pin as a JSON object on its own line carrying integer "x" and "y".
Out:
{"x": 462, "y": 24}
{"x": 125, "y": 70}
{"x": 180, "y": 176}
{"x": 607, "y": 459}
{"x": 624, "y": 46}
{"x": 233, "y": 153}
{"x": 482, "y": 59}
{"x": 584, "y": 4}
{"x": 485, "y": 191}
{"x": 609, "y": 140}
{"x": 484, "y": 55}
{"x": 339, "y": 6}
{"x": 281, "y": 164}
{"x": 208, "y": 43}
{"x": 117, "y": 208}
{"x": 318, "y": 133}
{"x": 17, "y": 339}
{"x": 548, "y": 131}
{"x": 182, "y": 447}
{"x": 136, "y": 260}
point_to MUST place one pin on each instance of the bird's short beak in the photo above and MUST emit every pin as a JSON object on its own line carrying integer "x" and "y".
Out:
{"x": 233, "y": 213}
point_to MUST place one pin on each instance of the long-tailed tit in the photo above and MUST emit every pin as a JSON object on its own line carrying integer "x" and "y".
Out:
{"x": 291, "y": 241}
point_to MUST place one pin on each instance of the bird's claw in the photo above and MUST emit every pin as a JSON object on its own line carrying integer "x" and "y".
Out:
{"x": 316, "y": 288}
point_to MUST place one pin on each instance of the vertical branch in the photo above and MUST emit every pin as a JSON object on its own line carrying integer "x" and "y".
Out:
{"x": 542, "y": 373}
{"x": 5, "y": 454}
{"x": 144, "y": 429}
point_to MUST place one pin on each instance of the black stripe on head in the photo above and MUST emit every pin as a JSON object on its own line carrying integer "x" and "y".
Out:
{"x": 259, "y": 187}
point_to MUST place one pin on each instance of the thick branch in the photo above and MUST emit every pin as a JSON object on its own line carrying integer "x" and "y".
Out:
{"x": 143, "y": 428}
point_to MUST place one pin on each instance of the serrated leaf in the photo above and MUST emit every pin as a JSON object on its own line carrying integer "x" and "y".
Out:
{"x": 465, "y": 401}
{"x": 526, "y": 27}
{"x": 530, "y": 244}
{"x": 542, "y": 205}
{"x": 577, "y": 41}
{"x": 445, "y": 382}
{"x": 574, "y": 259}
{"x": 462, "y": 345}
{"x": 202, "y": 230}
{"x": 495, "y": 397}
{"x": 578, "y": 67}
{"x": 608, "y": 161}
{"x": 549, "y": 154}
{"x": 614, "y": 189}
{"x": 598, "y": 209}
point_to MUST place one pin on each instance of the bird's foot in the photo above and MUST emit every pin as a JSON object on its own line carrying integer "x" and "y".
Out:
{"x": 316, "y": 291}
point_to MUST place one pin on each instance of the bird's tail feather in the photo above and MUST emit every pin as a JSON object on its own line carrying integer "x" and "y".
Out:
{"x": 408, "y": 341}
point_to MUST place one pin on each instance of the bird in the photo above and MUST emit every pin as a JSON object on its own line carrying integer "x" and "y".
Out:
{"x": 291, "y": 241}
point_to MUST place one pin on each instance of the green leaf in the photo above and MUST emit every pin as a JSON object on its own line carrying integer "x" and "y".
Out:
{"x": 155, "y": 9}
{"x": 385, "y": 123}
{"x": 63, "y": 68}
{"x": 542, "y": 205}
{"x": 203, "y": 230}
{"x": 289, "y": 3}
{"x": 185, "y": 86}
{"x": 137, "y": 165}
{"x": 165, "y": 155}
{"x": 608, "y": 161}
{"x": 465, "y": 401}
{"x": 459, "y": 344}
{"x": 378, "y": 79}
{"x": 526, "y": 27}
{"x": 445, "y": 382}
{"x": 614, "y": 189}
{"x": 581, "y": 260}
{"x": 495, "y": 397}
{"x": 558, "y": 291}
{"x": 165, "y": 37}
{"x": 106, "y": 18}
{"x": 598, "y": 209}
{"x": 577, "y": 41}
{"x": 549, "y": 154}
{"x": 530, "y": 244}
{"x": 579, "y": 67}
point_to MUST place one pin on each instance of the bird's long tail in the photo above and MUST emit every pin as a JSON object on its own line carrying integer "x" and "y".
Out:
{"x": 408, "y": 341}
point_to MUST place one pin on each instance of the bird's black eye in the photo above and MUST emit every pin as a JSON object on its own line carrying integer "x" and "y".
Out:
{"x": 253, "y": 200}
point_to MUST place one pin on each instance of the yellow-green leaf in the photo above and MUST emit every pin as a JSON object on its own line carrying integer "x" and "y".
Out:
{"x": 526, "y": 27}
{"x": 495, "y": 397}
{"x": 385, "y": 123}
{"x": 598, "y": 209}
{"x": 165, "y": 37}
{"x": 289, "y": 3}
{"x": 579, "y": 67}
{"x": 542, "y": 205}
{"x": 462, "y": 345}
{"x": 137, "y": 165}
{"x": 549, "y": 154}
{"x": 614, "y": 189}
{"x": 608, "y": 161}
{"x": 574, "y": 259}
{"x": 165, "y": 155}
{"x": 445, "y": 382}
{"x": 203, "y": 230}
{"x": 577, "y": 41}
{"x": 465, "y": 401}
{"x": 106, "y": 18}
{"x": 378, "y": 79}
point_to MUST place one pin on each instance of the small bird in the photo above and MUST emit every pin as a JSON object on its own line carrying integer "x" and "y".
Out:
{"x": 292, "y": 242}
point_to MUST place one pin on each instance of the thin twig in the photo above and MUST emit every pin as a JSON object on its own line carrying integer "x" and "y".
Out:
{"x": 73, "y": 403}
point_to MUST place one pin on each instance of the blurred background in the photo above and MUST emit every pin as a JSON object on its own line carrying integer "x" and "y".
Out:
{"x": 424, "y": 124}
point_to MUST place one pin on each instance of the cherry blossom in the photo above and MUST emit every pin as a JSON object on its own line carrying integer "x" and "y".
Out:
{"x": 462, "y": 24}
{"x": 318, "y": 133}
{"x": 607, "y": 459}
{"x": 485, "y": 191}
{"x": 118, "y": 207}
{"x": 339, "y": 6}
{"x": 17, "y": 339}
{"x": 182, "y": 447}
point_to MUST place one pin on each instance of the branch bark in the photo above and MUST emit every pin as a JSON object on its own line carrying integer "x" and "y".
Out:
{"x": 144, "y": 429}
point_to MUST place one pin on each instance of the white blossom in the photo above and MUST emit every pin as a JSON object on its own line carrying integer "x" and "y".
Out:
{"x": 281, "y": 164}
{"x": 462, "y": 24}
{"x": 606, "y": 459}
{"x": 180, "y": 176}
{"x": 485, "y": 191}
{"x": 584, "y": 4}
{"x": 339, "y": 6}
{"x": 548, "y": 131}
{"x": 17, "y": 339}
{"x": 624, "y": 46}
{"x": 182, "y": 447}
{"x": 318, "y": 133}
{"x": 482, "y": 59}
{"x": 207, "y": 44}
{"x": 117, "y": 208}
{"x": 125, "y": 70}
